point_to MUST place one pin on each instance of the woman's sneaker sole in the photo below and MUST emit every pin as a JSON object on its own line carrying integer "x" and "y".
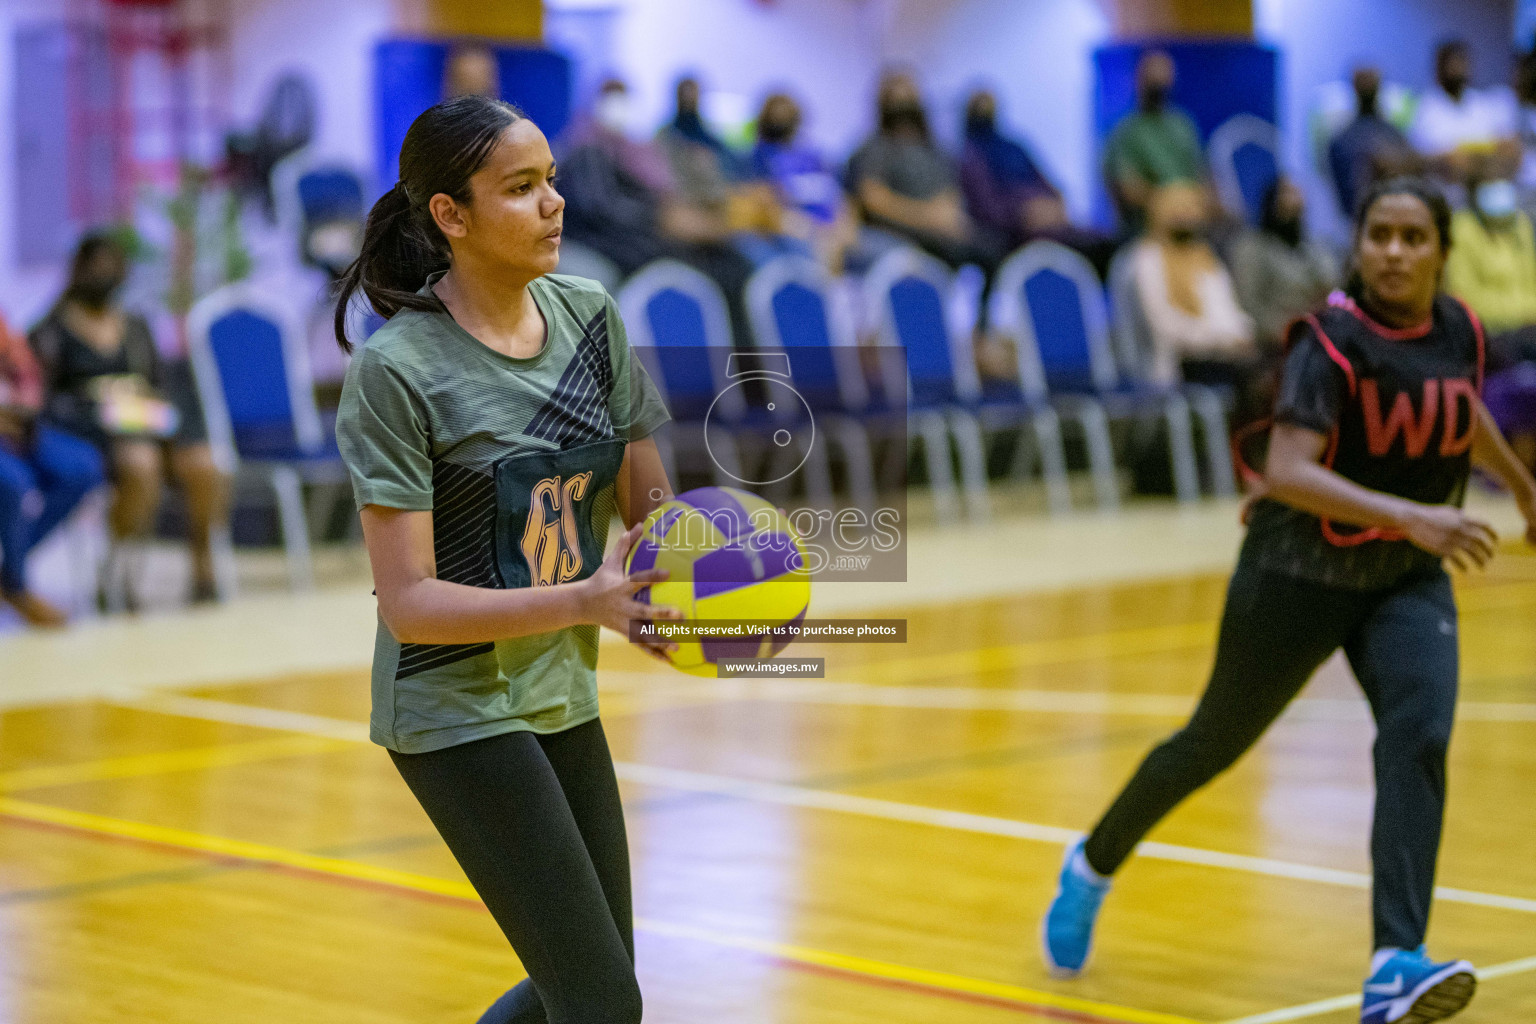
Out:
{"x": 1445, "y": 999}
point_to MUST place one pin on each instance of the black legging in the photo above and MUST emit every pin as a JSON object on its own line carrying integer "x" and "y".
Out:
{"x": 536, "y": 824}
{"x": 1275, "y": 632}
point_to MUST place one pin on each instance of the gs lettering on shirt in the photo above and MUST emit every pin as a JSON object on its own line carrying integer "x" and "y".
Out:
{"x": 551, "y": 541}
{"x": 547, "y": 528}
{"x": 1409, "y": 414}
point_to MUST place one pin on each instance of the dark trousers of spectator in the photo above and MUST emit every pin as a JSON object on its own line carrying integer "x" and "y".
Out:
{"x": 42, "y": 478}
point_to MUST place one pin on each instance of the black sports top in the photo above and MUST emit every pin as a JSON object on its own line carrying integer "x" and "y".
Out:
{"x": 1398, "y": 407}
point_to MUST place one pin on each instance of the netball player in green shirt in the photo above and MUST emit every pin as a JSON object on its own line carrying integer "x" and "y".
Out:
{"x": 493, "y": 427}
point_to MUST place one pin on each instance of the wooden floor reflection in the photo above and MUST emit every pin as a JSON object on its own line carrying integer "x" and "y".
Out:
{"x": 874, "y": 847}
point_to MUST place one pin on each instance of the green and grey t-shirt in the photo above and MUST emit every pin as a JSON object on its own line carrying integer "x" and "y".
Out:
{"x": 516, "y": 461}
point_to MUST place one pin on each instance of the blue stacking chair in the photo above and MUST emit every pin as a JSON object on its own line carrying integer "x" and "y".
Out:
{"x": 1133, "y": 352}
{"x": 1243, "y": 153}
{"x": 907, "y": 293}
{"x": 792, "y": 305}
{"x": 252, "y": 371}
{"x": 673, "y": 315}
{"x": 309, "y": 190}
{"x": 1050, "y": 300}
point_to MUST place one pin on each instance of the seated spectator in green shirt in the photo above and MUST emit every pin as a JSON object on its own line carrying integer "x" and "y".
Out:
{"x": 1156, "y": 145}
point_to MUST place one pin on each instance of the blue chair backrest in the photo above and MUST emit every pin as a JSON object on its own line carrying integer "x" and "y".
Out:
{"x": 1051, "y": 300}
{"x": 248, "y": 351}
{"x": 1055, "y": 310}
{"x": 331, "y": 193}
{"x": 791, "y": 309}
{"x": 677, "y": 323}
{"x": 917, "y": 314}
{"x": 677, "y": 315}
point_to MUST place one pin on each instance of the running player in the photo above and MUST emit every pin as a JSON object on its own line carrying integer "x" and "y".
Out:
{"x": 1377, "y": 425}
{"x": 492, "y": 428}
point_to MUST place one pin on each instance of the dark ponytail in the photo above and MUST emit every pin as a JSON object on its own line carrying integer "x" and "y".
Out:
{"x": 1420, "y": 188}
{"x": 402, "y": 245}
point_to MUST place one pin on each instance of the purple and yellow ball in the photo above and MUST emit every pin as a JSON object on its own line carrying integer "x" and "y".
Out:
{"x": 732, "y": 557}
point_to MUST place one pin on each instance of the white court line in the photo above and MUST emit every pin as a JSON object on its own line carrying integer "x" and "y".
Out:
{"x": 828, "y": 800}
{"x": 1323, "y": 1006}
{"x": 972, "y": 698}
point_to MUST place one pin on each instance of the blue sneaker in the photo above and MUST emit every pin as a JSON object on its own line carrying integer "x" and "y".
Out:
{"x": 1410, "y": 988}
{"x": 1069, "y": 923}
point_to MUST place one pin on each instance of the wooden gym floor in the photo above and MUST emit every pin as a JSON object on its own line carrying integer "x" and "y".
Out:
{"x": 873, "y": 847}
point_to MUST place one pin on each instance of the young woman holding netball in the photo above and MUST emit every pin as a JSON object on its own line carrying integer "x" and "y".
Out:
{"x": 492, "y": 428}
{"x": 1377, "y": 426}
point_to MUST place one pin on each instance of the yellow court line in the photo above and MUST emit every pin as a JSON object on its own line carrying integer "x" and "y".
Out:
{"x": 261, "y": 853}
{"x": 163, "y": 762}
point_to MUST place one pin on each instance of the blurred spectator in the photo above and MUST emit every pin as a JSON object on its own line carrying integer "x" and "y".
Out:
{"x": 1462, "y": 131}
{"x": 107, "y": 382}
{"x": 1525, "y": 98}
{"x": 1492, "y": 268}
{"x": 1156, "y": 145}
{"x": 1199, "y": 331}
{"x": 622, "y": 201}
{"x": 688, "y": 133}
{"x": 808, "y": 191}
{"x": 1370, "y": 148}
{"x": 44, "y": 474}
{"x": 1281, "y": 273}
{"x": 908, "y": 186}
{"x": 709, "y": 177}
{"x": 471, "y": 71}
{"x": 1006, "y": 191}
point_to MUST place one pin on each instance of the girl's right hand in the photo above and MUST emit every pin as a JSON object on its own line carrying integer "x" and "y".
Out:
{"x": 608, "y": 595}
{"x": 1450, "y": 533}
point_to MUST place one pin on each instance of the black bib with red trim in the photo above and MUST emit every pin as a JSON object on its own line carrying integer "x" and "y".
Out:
{"x": 1405, "y": 428}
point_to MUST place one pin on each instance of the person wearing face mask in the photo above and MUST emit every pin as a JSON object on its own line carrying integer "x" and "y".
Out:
{"x": 711, "y": 176}
{"x": 1370, "y": 149}
{"x": 1280, "y": 273}
{"x": 1200, "y": 332}
{"x": 808, "y": 192}
{"x": 1155, "y": 145}
{"x": 907, "y": 186}
{"x": 1461, "y": 131}
{"x": 107, "y": 382}
{"x": 624, "y": 202}
{"x": 44, "y": 473}
{"x": 1007, "y": 192}
{"x": 1493, "y": 270}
